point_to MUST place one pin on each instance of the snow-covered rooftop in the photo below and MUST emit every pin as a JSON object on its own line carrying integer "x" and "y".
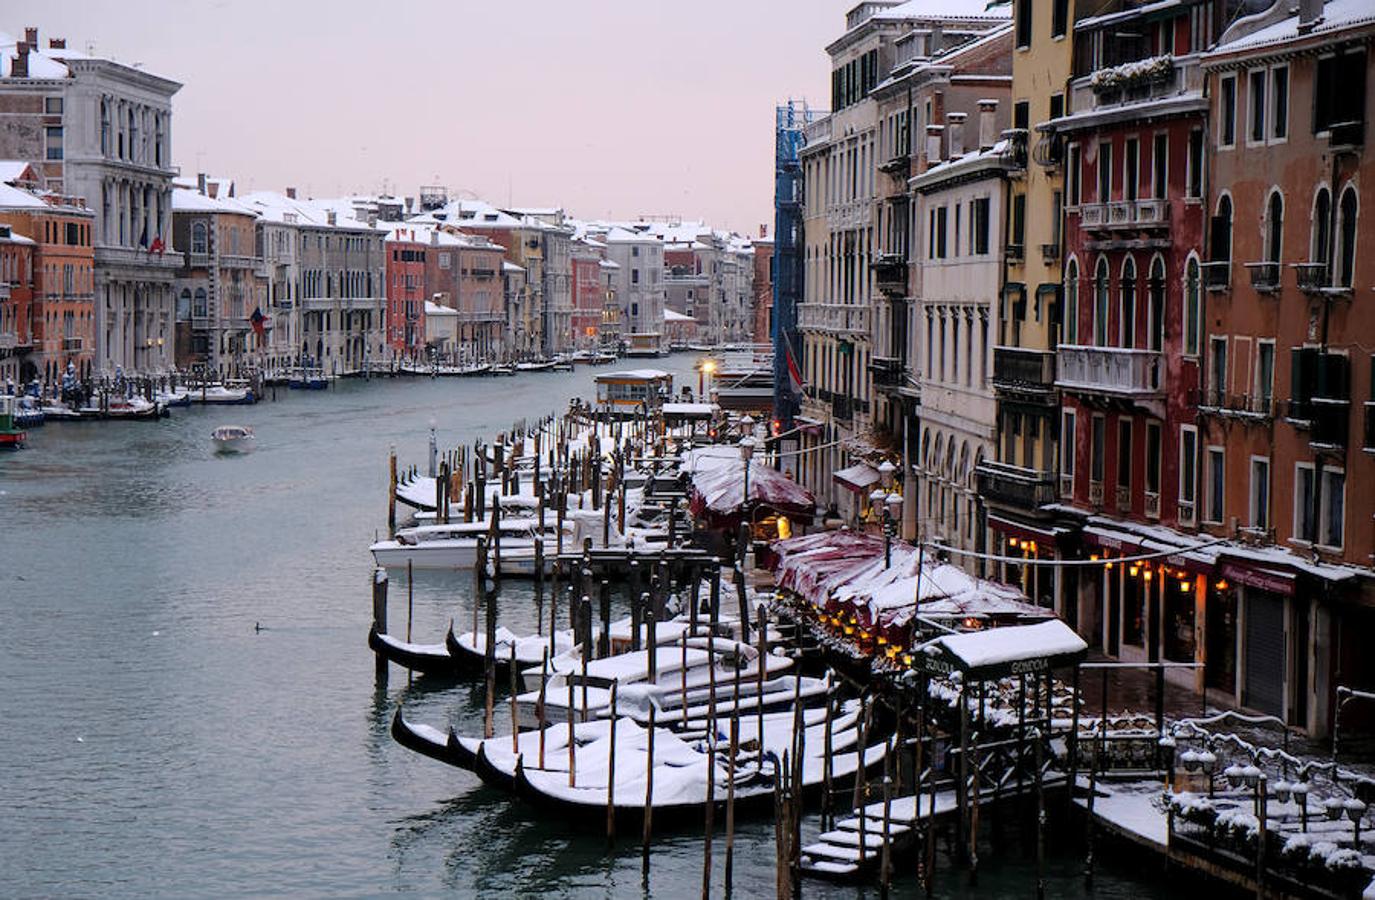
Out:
{"x": 41, "y": 63}
{"x": 15, "y": 198}
{"x": 189, "y": 200}
{"x": 1337, "y": 15}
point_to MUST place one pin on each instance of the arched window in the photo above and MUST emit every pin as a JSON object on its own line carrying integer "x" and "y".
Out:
{"x": 184, "y": 305}
{"x": 1100, "y": 303}
{"x": 1126, "y": 326}
{"x": 1346, "y": 235}
{"x": 1322, "y": 228}
{"x": 1274, "y": 228}
{"x": 199, "y": 308}
{"x": 1071, "y": 325}
{"x": 1193, "y": 308}
{"x": 199, "y": 239}
{"x": 1155, "y": 286}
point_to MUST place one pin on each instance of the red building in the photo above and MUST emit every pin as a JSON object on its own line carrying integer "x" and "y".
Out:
{"x": 589, "y": 295}
{"x": 16, "y": 302}
{"x": 1131, "y": 323}
{"x": 406, "y": 291}
{"x": 763, "y": 288}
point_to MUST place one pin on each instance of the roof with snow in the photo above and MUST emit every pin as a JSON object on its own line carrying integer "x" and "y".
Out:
{"x": 1010, "y": 650}
{"x": 618, "y": 235}
{"x": 188, "y": 200}
{"x": 16, "y": 198}
{"x": 41, "y": 63}
{"x": 274, "y": 207}
{"x": 1337, "y": 15}
{"x": 940, "y": 10}
{"x": 673, "y": 316}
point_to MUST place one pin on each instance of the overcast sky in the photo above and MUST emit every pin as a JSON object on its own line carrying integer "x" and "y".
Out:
{"x": 605, "y": 107}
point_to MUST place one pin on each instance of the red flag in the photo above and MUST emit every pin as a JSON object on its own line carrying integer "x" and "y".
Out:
{"x": 794, "y": 373}
{"x": 157, "y": 246}
{"x": 259, "y": 321}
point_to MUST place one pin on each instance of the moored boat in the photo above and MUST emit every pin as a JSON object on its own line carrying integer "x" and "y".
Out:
{"x": 12, "y": 437}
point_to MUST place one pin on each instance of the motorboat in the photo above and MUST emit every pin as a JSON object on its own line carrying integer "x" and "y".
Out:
{"x": 12, "y": 437}
{"x": 232, "y": 439}
{"x": 28, "y": 412}
{"x": 219, "y": 395}
{"x": 307, "y": 380}
{"x": 454, "y": 546}
{"x": 173, "y": 397}
{"x": 127, "y": 408}
{"x": 501, "y": 370}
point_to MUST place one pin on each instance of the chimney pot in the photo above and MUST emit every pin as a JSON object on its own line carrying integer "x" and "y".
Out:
{"x": 988, "y": 115}
{"x": 955, "y": 123}
{"x": 20, "y": 67}
{"x": 57, "y": 43}
{"x": 214, "y": 188}
{"x": 291, "y": 193}
{"x": 933, "y": 145}
{"x": 1310, "y": 14}
{"x": 31, "y": 36}
{"x": 330, "y": 217}
{"x": 200, "y": 182}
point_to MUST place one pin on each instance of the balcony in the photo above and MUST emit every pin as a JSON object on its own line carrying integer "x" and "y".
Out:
{"x": 1049, "y": 151}
{"x": 1125, "y": 215}
{"x": 1014, "y": 252}
{"x": 817, "y": 131}
{"x": 1015, "y": 154}
{"x": 198, "y": 260}
{"x": 1152, "y": 505}
{"x": 1021, "y": 369}
{"x": 888, "y": 372}
{"x": 8, "y": 340}
{"x": 1111, "y": 371}
{"x": 1050, "y": 252}
{"x": 890, "y": 273}
{"x": 1096, "y": 494}
{"x": 1014, "y": 486}
{"x": 835, "y": 318}
{"x": 1225, "y": 404}
{"x": 899, "y": 167}
{"x": 73, "y": 344}
{"x": 842, "y": 408}
{"x": 1124, "y": 498}
{"x": 1138, "y": 80}
{"x": 1331, "y": 418}
{"x": 1265, "y": 276}
{"x": 1217, "y": 274}
{"x": 229, "y": 261}
{"x": 1346, "y": 134}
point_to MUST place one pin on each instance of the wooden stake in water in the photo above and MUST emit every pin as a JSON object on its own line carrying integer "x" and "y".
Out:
{"x": 730, "y": 784}
{"x": 391, "y": 491}
{"x": 540, "y": 712}
{"x": 379, "y": 617}
{"x": 410, "y": 610}
{"x": 515, "y": 718}
{"x": 611, "y": 772}
{"x": 649, "y": 791}
{"x": 572, "y": 742}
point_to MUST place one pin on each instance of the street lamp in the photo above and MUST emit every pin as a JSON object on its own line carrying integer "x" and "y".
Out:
{"x": 746, "y": 454}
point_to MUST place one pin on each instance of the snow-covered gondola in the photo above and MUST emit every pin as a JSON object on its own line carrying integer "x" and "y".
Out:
{"x": 427, "y": 659}
{"x": 429, "y": 741}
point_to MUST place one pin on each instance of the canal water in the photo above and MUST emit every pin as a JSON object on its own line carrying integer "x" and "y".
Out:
{"x": 187, "y": 701}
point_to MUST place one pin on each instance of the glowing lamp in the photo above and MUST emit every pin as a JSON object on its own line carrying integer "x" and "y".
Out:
{"x": 1221, "y": 584}
{"x": 1133, "y": 569}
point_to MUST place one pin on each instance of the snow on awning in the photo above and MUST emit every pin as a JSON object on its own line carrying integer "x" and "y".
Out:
{"x": 998, "y": 652}
{"x": 858, "y": 478}
{"x": 689, "y": 410}
{"x": 720, "y": 491}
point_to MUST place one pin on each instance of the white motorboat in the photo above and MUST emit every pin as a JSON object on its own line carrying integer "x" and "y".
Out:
{"x": 232, "y": 439}
{"x": 220, "y": 395}
{"x": 454, "y": 546}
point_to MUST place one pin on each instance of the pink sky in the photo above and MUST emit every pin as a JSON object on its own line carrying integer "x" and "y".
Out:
{"x": 605, "y": 107}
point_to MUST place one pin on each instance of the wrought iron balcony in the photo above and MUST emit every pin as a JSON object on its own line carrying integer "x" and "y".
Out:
{"x": 1015, "y": 154}
{"x": 888, "y": 371}
{"x": 1049, "y": 151}
{"x": 842, "y": 408}
{"x": 1215, "y": 402}
{"x": 1112, "y": 371}
{"x": 1217, "y": 274}
{"x": 1014, "y": 486}
{"x": 1331, "y": 420}
{"x": 1265, "y": 276}
{"x": 890, "y": 273}
{"x": 1023, "y": 369}
{"x": 1312, "y": 277}
{"x": 73, "y": 344}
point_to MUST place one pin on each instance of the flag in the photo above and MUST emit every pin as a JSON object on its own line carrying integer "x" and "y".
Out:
{"x": 143, "y": 237}
{"x": 157, "y": 246}
{"x": 259, "y": 321}
{"x": 794, "y": 373}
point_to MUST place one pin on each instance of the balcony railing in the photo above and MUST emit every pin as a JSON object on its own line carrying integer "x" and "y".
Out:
{"x": 73, "y": 344}
{"x": 1312, "y": 277}
{"x": 1124, "y": 215}
{"x": 8, "y": 340}
{"x": 1019, "y": 368}
{"x": 1217, "y": 274}
{"x": 1265, "y": 276}
{"x": 1027, "y": 489}
{"x": 890, "y": 273}
{"x": 1152, "y": 505}
{"x": 1049, "y": 151}
{"x": 1014, "y": 252}
{"x": 1331, "y": 420}
{"x": 1096, "y": 494}
{"x": 1015, "y": 154}
{"x": 1223, "y": 403}
{"x": 888, "y": 372}
{"x": 1116, "y": 371}
{"x": 898, "y": 166}
{"x": 1346, "y": 134}
{"x": 840, "y": 318}
{"x": 842, "y": 408}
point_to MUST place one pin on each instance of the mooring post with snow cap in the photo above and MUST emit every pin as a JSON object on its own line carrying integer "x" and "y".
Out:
{"x": 572, "y": 738}
{"x": 585, "y": 616}
{"x": 649, "y": 790}
{"x": 539, "y": 580}
{"x": 379, "y": 617}
{"x": 490, "y": 660}
{"x": 604, "y": 607}
{"x": 742, "y": 594}
{"x": 611, "y": 771}
{"x": 541, "y": 713}
{"x": 761, "y": 667}
{"x": 496, "y": 535}
{"x": 651, "y": 640}
{"x": 391, "y": 490}
{"x": 682, "y": 672}
{"x": 730, "y": 784}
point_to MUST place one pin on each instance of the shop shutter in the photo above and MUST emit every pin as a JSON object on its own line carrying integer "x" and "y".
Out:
{"x": 1264, "y": 688}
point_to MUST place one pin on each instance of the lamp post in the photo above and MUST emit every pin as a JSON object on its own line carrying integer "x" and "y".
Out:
{"x": 746, "y": 453}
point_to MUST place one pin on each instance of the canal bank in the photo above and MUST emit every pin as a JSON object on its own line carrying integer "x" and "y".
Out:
{"x": 166, "y": 746}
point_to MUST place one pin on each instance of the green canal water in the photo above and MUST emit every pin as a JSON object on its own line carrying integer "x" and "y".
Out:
{"x": 153, "y": 742}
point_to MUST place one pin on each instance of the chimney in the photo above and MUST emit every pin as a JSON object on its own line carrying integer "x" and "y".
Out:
{"x": 214, "y": 187}
{"x": 291, "y": 193}
{"x": 330, "y": 217}
{"x": 1310, "y": 14}
{"x": 57, "y": 43}
{"x": 410, "y": 202}
{"x": 31, "y": 37}
{"x": 988, "y": 116}
{"x": 434, "y": 237}
{"x": 933, "y": 145}
{"x": 200, "y": 182}
{"x": 20, "y": 67}
{"x": 372, "y": 218}
{"x": 955, "y": 121}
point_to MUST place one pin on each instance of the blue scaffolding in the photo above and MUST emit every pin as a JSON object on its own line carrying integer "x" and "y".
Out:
{"x": 790, "y": 127}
